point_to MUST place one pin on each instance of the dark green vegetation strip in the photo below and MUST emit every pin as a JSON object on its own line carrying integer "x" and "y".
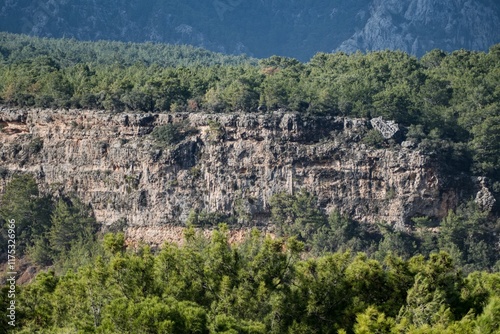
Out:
{"x": 260, "y": 286}
{"x": 68, "y": 52}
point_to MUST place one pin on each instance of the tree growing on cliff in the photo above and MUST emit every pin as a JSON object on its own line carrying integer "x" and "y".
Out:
{"x": 71, "y": 224}
{"x": 296, "y": 215}
{"x": 23, "y": 203}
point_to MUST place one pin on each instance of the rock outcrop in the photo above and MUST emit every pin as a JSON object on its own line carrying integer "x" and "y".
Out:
{"x": 228, "y": 163}
{"x": 484, "y": 198}
{"x": 417, "y": 26}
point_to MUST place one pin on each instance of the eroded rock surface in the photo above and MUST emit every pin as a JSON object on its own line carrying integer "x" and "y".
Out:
{"x": 229, "y": 163}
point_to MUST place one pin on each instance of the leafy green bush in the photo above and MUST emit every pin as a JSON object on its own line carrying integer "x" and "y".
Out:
{"x": 373, "y": 138}
{"x": 207, "y": 219}
{"x": 168, "y": 134}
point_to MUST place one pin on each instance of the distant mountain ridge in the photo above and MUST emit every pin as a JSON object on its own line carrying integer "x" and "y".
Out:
{"x": 262, "y": 28}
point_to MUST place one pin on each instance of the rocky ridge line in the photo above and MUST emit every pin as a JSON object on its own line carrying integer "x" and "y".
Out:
{"x": 229, "y": 163}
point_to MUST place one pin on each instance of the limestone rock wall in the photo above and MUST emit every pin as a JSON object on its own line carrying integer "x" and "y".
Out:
{"x": 229, "y": 163}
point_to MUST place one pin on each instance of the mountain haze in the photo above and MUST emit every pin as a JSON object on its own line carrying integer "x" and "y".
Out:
{"x": 262, "y": 28}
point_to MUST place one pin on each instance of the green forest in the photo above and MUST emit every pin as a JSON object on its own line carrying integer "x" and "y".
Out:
{"x": 320, "y": 273}
{"x": 263, "y": 285}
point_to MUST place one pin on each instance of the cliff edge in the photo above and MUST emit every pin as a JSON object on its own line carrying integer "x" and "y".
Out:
{"x": 226, "y": 163}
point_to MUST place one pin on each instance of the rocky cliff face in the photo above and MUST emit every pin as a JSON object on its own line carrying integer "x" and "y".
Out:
{"x": 229, "y": 163}
{"x": 263, "y": 28}
{"x": 417, "y": 26}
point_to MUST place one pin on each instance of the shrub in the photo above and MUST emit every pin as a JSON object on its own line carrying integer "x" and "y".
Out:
{"x": 168, "y": 134}
{"x": 373, "y": 138}
{"x": 35, "y": 146}
{"x": 172, "y": 133}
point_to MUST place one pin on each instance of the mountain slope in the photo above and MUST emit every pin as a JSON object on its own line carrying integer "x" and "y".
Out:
{"x": 16, "y": 48}
{"x": 291, "y": 28}
{"x": 417, "y": 26}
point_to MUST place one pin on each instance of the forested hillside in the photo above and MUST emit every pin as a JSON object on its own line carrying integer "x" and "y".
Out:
{"x": 264, "y": 28}
{"x": 69, "y": 52}
{"x": 448, "y": 101}
{"x": 318, "y": 271}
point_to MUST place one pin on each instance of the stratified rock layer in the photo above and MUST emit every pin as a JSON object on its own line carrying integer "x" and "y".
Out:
{"x": 229, "y": 163}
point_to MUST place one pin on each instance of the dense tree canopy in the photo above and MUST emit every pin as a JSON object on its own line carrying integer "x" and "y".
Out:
{"x": 262, "y": 285}
{"x": 468, "y": 234}
{"x": 22, "y": 203}
{"x": 47, "y": 230}
{"x": 69, "y": 52}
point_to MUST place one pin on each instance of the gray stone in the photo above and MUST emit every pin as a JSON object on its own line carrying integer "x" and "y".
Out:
{"x": 485, "y": 199}
{"x": 387, "y": 128}
{"x": 259, "y": 155}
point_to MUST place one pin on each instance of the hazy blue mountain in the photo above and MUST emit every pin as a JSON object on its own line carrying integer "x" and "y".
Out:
{"x": 263, "y": 28}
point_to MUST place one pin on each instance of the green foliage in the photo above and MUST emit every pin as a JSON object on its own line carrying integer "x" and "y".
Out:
{"x": 489, "y": 321}
{"x": 425, "y": 306}
{"x": 153, "y": 315}
{"x": 114, "y": 243}
{"x": 416, "y": 132}
{"x": 63, "y": 233}
{"x": 171, "y": 133}
{"x": 22, "y": 202}
{"x": 207, "y": 219}
{"x": 40, "y": 252}
{"x": 36, "y": 306}
{"x": 168, "y": 134}
{"x": 468, "y": 235}
{"x": 396, "y": 242}
{"x": 68, "y": 52}
{"x": 341, "y": 233}
{"x": 373, "y": 139}
{"x": 372, "y": 321}
{"x": 486, "y": 145}
{"x": 262, "y": 285}
{"x": 217, "y": 130}
{"x": 71, "y": 222}
{"x": 296, "y": 215}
